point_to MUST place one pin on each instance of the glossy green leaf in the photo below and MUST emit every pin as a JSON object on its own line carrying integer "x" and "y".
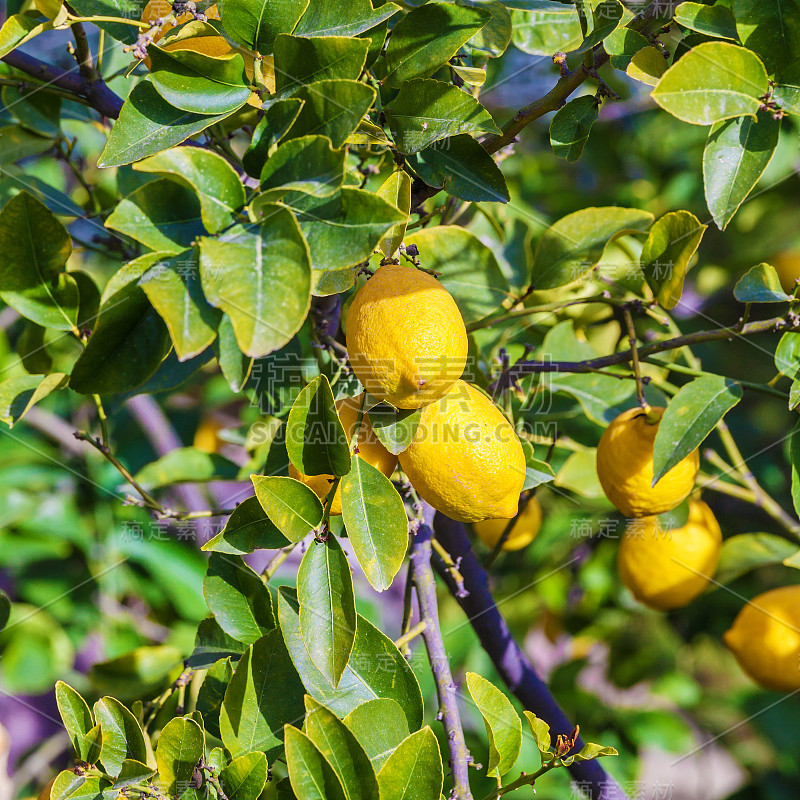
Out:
{"x": 186, "y": 465}
{"x": 691, "y": 415}
{"x": 376, "y": 668}
{"x": 786, "y": 93}
{"x": 291, "y": 506}
{"x": 376, "y": 522}
{"x": 787, "y": 354}
{"x": 541, "y": 732}
{"x": 550, "y": 28}
{"x": 462, "y": 167}
{"x": 736, "y": 155}
{"x": 428, "y": 37}
{"x": 260, "y": 276}
{"x": 571, "y": 125}
{"x": 77, "y": 719}
{"x": 713, "y": 82}
{"x": 760, "y": 284}
{"x": 606, "y": 17}
{"x": 395, "y": 190}
{"x": 394, "y": 427}
{"x": 589, "y": 752}
{"x": 256, "y": 23}
{"x": 352, "y": 19}
{"x": 122, "y": 735}
{"x": 69, "y": 786}
{"x": 427, "y": 110}
{"x": 503, "y": 725}
{"x": 238, "y": 598}
{"x": 212, "y": 644}
{"x": 272, "y": 127}
{"x": 34, "y": 247}
{"x": 132, "y": 772}
{"x": 770, "y": 28}
{"x": 414, "y": 769}
{"x": 148, "y": 124}
{"x": 19, "y": 395}
{"x": 300, "y": 60}
{"x": 380, "y": 726}
{"x": 670, "y": 245}
{"x": 263, "y": 695}
{"x": 327, "y": 607}
{"x": 468, "y": 268}
{"x": 212, "y": 693}
{"x": 536, "y": 472}
{"x": 713, "y": 20}
{"x": 246, "y": 530}
{"x": 748, "y": 551}
{"x": 622, "y": 45}
{"x": 245, "y": 777}
{"x": 311, "y": 775}
{"x": 308, "y": 164}
{"x": 573, "y": 245}
{"x": 180, "y": 747}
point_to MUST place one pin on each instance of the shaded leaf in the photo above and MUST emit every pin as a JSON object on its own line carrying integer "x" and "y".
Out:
{"x": 770, "y": 28}
{"x": 272, "y": 127}
{"x": 300, "y": 60}
{"x": 395, "y": 190}
{"x": 256, "y": 23}
{"x": 760, "y": 284}
{"x": 308, "y": 164}
{"x": 394, "y": 427}
{"x": 248, "y": 528}
{"x": 571, "y": 125}
{"x": 713, "y": 20}
{"x": 212, "y": 644}
{"x": 352, "y": 19}
{"x": 19, "y": 395}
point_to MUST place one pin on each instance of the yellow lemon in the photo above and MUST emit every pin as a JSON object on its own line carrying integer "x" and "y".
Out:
{"x": 787, "y": 264}
{"x": 466, "y": 459}
{"x": 369, "y": 448}
{"x": 765, "y": 638}
{"x": 668, "y": 568}
{"x": 405, "y": 337}
{"x": 206, "y": 437}
{"x": 522, "y": 533}
{"x": 625, "y": 466}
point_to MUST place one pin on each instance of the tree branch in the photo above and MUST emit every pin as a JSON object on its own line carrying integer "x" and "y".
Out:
{"x": 509, "y": 660}
{"x": 425, "y": 585}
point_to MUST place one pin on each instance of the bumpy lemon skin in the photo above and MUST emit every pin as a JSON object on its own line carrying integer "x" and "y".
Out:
{"x": 466, "y": 459}
{"x": 666, "y": 569}
{"x": 522, "y": 533}
{"x": 625, "y": 467}
{"x": 405, "y": 337}
{"x": 765, "y": 638}
{"x": 369, "y": 448}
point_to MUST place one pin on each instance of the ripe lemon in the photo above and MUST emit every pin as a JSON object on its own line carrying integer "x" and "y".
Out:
{"x": 405, "y": 337}
{"x": 523, "y": 532}
{"x": 668, "y": 568}
{"x": 369, "y": 448}
{"x": 206, "y": 437}
{"x": 787, "y": 264}
{"x": 466, "y": 460}
{"x": 625, "y": 466}
{"x": 765, "y": 638}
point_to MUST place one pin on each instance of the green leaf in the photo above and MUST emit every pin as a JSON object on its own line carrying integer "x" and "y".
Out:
{"x": 591, "y": 751}
{"x": 163, "y": 215}
{"x": 180, "y": 747}
{"x": 198, "y": 83}
{"x": 186, "y": 465}
{"x": 272, "y": 127}
{"x": 787, "y": 354}
{"x": 212, "y": 693}
{"x": 315, "y": 438}
{"x": 541, "y": 732}
{"x": 414, "y": 769}
{"x": 571, "y": 247}
{"x": 395, "y": 190}
{"x": 211, "y": 644}
{"x": 428, "y": 37}
{"x": 380, "y": 725}
{"x": 36, "y": 111}
{"x": 550, "y": 28}
{"x": 218, "y": 187}
{"x": 173, "y": 288}
{"x": 245, "y": 777}
{"x": 17, "y": 143}
{"x": 34, "y": 247}
{"x": 129, "y": 340}
{"x": 427, "y": 110}
{"x": 342, "y": 750}
{"x": 18, "y": 29}
{"x": 256, "y": 23}
{"x": 462, "y": 167}
{"x": 622, "y": 45}
{"x": 246, "y": 530}
{"x": 770, "y": 28}
{"x": 714, "y": 20}
{"x": 133, "y": 772}
{"x": 786, "y": 93}
{"x": 571, "y": 125}
{"x": 376, "y": 523}
{"x": 291, "y": 506}
{"x": 713, "y": 82}
{"x": 691, "y": 415}
{"x": 647, "y": 66}
{"x": 234, "y": 365}
{"x": 376, "y": 668}
{"x": 300, "y": 60}
{"x": 607, "y": 16}
{"x": 263, "y": 695}
{"x": 327, "y": 607}
{"x": 148, "y": 124}
{"x": 238, "y": 598}
{"x": 241, "y": 272}
{"x": 748, "y": 551}
{"x": 503, "y": 726}
{"x": 19, "y": 395}
{"x": 760, "y": 284}
{"x": 794, "y": 456}
{"x": 77, "y": 718}
{"x": 670, "y": 245}
{"x": 736, "y": 155}
{"x": 394, "y": 427}
{"x": 334, "y": 19}
{"x": 308, "y": 164}
{"x": 536, "y": 472}
{"x": 311, "y": 775}
{"x": 69, "y": 786}
{"x": 469, "y": 269}
{"x": 58, "y": 202}
{"x": 122, "y": 736}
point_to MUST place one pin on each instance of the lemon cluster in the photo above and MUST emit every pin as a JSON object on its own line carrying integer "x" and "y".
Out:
{"x": 407, "y": 344}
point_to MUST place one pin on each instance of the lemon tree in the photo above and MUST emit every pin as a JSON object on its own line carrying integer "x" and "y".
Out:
{"x": 356, "y": 353}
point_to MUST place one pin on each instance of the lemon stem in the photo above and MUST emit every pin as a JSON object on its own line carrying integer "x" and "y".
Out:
{"x": 410, "y": 635}
{"x": 637, "y": 369}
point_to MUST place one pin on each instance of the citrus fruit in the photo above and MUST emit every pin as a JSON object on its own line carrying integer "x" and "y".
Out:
{"x": 405, "y": 337}
{"x": 206, "y": 437}
{"x": 625, "y": 466}
{"x": 522, "y": 533}
{"x": 765, "y": 638}
{"x": 667, "y": 569}
{"x": 787, "y": 264}
{"x": 466, "y": 459}
{"x": 369, "y": 448}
